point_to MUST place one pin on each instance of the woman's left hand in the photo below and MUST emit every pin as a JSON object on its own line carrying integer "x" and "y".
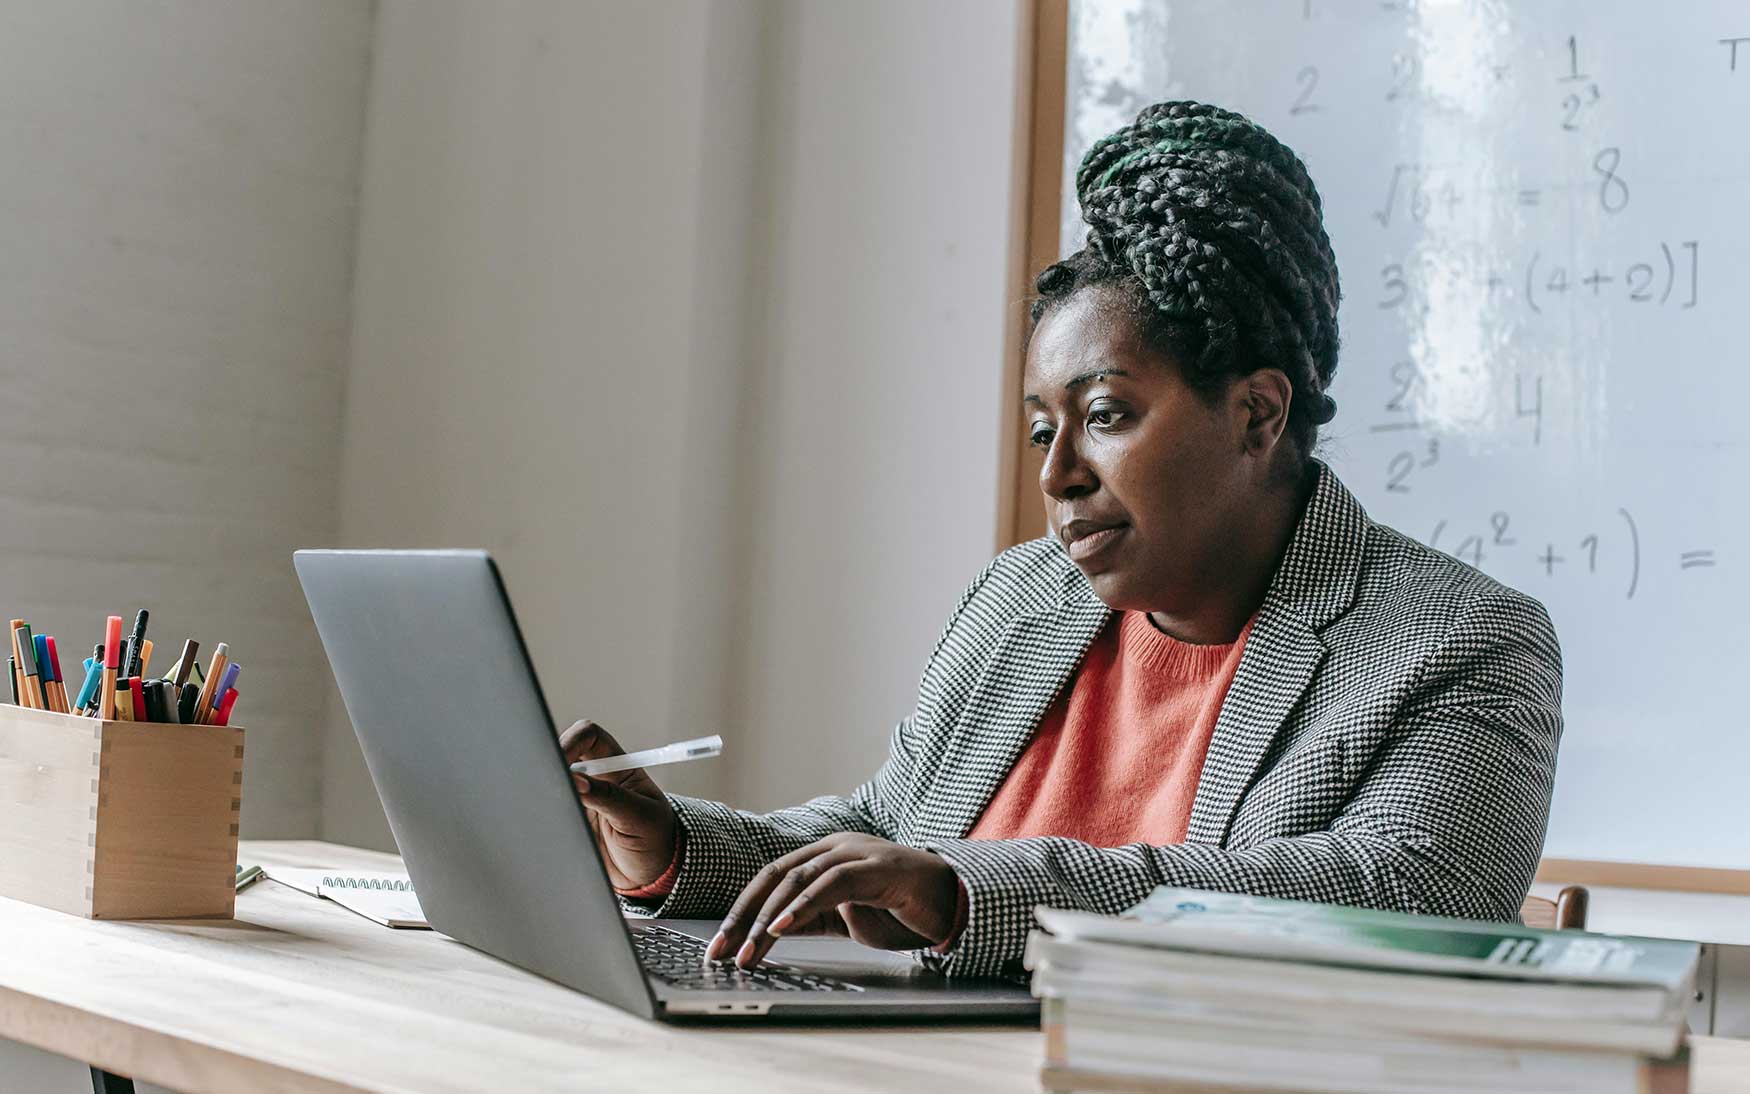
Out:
{"x": 881, "y": 894}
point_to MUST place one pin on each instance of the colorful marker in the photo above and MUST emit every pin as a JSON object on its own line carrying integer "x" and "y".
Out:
{"x": 27, "y": 666}
{"x": 203, "y": 710}
{"x": 93, "y": 678}
{"x": 60, "y": 684}
{"x": 227, "y": 681}
{"x": 223, "y": 717}
{"x": 18, "y": 631}
{"x": 112, "y": 657}
{"x": 45, "y": 669}
{"x": 17, "y": 661}
{"x": 97, "y": 656}
{"x": 40, "y": 653}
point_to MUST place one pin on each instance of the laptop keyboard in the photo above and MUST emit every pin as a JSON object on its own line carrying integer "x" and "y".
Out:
{"x": 679, "y": 959}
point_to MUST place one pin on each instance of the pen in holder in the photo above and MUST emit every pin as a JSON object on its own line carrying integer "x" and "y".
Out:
{"x": 119, "y": 820}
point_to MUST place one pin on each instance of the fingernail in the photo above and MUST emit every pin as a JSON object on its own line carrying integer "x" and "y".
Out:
{"x": 780, "y": 924}
{"x": 713, "y": 946}
{"x": 583, "y": 784}
{"x": 744, "y": 956}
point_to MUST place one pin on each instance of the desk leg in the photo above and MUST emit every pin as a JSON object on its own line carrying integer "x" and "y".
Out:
{"x": 102, "y": 1082}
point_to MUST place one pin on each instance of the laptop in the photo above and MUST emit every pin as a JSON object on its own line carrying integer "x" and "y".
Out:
{"x": 463, "y": 752}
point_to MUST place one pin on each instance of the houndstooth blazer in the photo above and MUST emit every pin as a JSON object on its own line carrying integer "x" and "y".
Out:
{"x": 1389, "y": 740}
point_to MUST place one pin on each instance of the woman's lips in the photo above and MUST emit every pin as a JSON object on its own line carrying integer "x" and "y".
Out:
{"x": 1088, "y": 546}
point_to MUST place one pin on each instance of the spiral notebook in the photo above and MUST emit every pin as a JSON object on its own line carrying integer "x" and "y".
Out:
{"x": 384, "y": 898}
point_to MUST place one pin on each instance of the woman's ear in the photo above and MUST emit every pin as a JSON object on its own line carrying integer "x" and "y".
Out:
{"x": 1268, "y": 394}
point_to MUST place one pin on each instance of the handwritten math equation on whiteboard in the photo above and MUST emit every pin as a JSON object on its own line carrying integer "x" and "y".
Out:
{"x": 1542, "y": 218}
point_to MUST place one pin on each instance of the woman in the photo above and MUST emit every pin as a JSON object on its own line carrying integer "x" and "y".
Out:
{"x": 1215, "y": 672}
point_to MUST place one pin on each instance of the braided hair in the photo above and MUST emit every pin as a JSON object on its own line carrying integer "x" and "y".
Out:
{"x": 1214, "y": 234}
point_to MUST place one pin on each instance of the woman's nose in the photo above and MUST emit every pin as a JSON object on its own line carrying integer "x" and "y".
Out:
{"x": 1065, "y": 474}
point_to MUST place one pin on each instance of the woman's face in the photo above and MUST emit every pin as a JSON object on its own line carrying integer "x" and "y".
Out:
{"x": 1143, "y": 478}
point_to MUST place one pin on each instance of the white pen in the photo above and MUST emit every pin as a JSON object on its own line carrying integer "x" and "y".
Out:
{"x": 680, "y": 752}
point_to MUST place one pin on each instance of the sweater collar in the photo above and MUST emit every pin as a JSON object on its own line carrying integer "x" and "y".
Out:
{"x": 1146, "y": 646}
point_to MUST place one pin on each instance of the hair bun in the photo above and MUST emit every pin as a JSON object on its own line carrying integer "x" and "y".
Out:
{"x": 1221, "y": 225}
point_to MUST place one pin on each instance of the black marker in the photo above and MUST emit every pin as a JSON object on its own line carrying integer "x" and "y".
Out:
{"x": 185, "y": 705}
{"x": 131, "y": 651}
{"x": 158, "y": 701}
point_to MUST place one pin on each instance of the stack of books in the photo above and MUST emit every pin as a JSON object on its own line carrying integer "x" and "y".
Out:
{"x": 1195, "y": 991}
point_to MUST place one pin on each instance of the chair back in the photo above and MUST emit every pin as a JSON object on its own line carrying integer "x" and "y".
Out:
{"x": 1567, "y": 911}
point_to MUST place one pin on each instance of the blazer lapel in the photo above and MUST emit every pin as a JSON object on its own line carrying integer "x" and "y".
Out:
{"x": 1275, "y": 668}
{"x": 1037, "y": 655}
{"x": 1314, "y": 583}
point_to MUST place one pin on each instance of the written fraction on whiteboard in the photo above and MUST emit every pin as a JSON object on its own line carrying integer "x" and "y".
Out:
{"x": 1541, "y": 212}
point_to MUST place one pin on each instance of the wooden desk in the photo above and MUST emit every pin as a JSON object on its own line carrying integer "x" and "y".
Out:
{"x": 298, "y": 994}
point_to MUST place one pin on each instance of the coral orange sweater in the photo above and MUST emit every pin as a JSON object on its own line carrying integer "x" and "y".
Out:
{"x": 1117, "y": 756}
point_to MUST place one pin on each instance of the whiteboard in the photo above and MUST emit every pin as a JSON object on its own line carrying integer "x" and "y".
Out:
{"x": 1541, "y": 214}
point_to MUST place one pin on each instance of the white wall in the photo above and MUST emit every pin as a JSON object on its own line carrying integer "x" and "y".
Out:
{"x": 176, "y": 255}
{"x": 693, "y": 316}
{"x": 552, "y": 288}
{"x": 878, "y": 392}
{"x": 175, "y": 262}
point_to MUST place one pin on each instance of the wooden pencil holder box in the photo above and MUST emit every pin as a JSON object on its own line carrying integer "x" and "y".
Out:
{"x": 119, "y": 820}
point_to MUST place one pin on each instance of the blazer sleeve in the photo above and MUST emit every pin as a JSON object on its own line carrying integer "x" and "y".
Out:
{"x": 725, "y": 847}
{"x": 1449, "y": 819}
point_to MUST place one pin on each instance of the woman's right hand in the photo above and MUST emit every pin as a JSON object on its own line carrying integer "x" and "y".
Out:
{"x": 633, "y": 823}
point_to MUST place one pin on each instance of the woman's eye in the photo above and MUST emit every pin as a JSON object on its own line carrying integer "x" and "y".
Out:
{"x": 1040, "y": 438}
{"x": 1104, "y": 416}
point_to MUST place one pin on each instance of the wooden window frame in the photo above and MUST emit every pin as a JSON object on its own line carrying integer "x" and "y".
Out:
{"x": 1036, "y": 189}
